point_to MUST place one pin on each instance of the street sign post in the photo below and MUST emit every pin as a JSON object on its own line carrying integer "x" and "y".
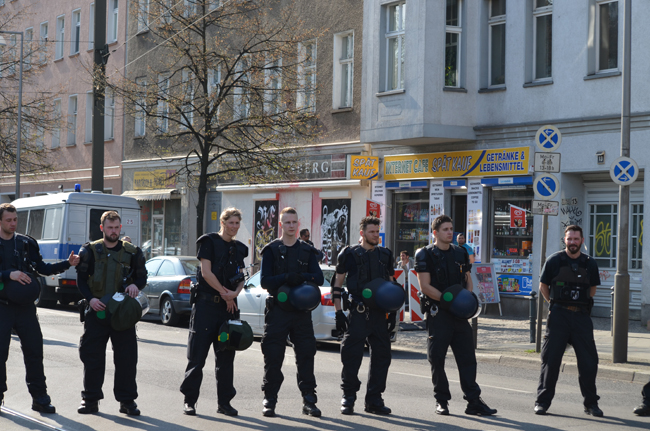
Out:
{"x": 545, "y": 208}
{"x": 624, "y": 171}
{"x": 546, "y": 187}
{"x": 547, "y": 162}
{"x": 548, "y": 138}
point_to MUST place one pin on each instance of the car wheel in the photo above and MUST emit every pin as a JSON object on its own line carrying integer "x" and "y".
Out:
{"x": 168, "y": 316}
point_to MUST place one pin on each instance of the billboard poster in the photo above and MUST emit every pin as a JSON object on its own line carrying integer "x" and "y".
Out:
{"x": 373, "y": 209}
{"x": 379, "y": 196}
{"x": 436, "y": 204}
{"x": 335, "y": 228}
{"x": 485, "y": 283}
{"x": 266, "y": 226}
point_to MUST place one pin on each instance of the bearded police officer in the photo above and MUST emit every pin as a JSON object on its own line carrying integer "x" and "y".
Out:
{"x": 21, "y": 259}
{"x": 440, "y": 267}
{"x": 288, "y": 263}
{"x": 220, "y": 280}
{"x": 364, "y": 263}
{"x": 107, "y": 266}
{"x": 568, "y": 281}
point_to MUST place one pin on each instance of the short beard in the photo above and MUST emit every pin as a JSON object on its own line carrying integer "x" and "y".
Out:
{"x": 574, "y": 248}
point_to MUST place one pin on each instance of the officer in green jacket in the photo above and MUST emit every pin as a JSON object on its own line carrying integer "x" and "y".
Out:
{"x": 107, "y": 266}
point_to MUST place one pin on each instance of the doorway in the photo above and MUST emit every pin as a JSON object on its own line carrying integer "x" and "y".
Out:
{"x": 459, "y": 212}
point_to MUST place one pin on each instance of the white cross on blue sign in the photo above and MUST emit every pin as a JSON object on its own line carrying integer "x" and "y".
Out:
{"x": 624, "y": 171}
{"x": 548, "y": 138}
{"x": 546, "y": 187}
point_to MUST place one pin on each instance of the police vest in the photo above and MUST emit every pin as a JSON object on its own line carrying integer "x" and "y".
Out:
{"x": 290, "y": 259}
{"x": 225, "y": 262}
{"x": 441, "y": 277}
{"x": 112, "y": 268}
{"x": 369, "y": 267}
{"x": 571, "y": 286}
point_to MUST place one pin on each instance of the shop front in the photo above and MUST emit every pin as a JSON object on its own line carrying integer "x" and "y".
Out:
{"x": 488, "y": 195}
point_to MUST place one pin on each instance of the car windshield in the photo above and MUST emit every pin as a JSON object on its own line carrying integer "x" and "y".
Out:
{"x": 190, "y": 266}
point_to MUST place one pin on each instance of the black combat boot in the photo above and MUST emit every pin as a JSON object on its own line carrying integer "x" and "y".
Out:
{"x": 309, "y": 405}
{"x": 347, "y": 403}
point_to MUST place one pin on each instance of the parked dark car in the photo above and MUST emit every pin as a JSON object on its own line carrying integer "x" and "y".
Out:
{"x": 168, "y": 286}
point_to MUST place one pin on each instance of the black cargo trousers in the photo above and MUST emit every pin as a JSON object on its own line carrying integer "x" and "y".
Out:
{"x": 563, "y": 327}
{"x": 297, "y": 325}
{"x": 205, "y": 323}
{"x": 23, "y": 319}
{"x": 370, "y": 325}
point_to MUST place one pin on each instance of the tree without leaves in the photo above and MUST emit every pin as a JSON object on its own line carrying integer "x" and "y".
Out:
{"x": 38, "y": 114}
{"x": 227, "y": 86}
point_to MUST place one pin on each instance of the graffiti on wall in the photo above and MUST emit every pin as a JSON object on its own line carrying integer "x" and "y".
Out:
{"x": 266, "y": 225}
{"x": 335, "y": 228}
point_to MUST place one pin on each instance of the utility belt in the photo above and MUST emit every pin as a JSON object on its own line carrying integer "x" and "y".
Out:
{"x": 573, "y": 308}
{"x": 208, "y": 297}
{"x": 358, "y": 305}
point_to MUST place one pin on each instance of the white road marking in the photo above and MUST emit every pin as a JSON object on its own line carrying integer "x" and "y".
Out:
{"x": 456, "y": 381}
{"x": 31, "y": 419}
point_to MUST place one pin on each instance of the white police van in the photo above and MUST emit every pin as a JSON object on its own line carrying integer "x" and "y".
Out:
{"x": 63, "y": 222}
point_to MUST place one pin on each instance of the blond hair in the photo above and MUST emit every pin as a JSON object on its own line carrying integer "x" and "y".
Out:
{"x": 229, "y": 212}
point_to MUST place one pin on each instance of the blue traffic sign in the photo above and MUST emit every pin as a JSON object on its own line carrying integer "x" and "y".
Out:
{"x": 546, "y": 187}
{"x": 624, "y": 171}
{"x": 548, "y": 138}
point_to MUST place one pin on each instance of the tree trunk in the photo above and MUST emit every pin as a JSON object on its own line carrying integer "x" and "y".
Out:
{"x": 200, "y": 205}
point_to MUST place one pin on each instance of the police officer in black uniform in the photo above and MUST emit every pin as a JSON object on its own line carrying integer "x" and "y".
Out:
{"x": 568, "y": 281}
{"x": 109, "y": 265}
{"x": 440, "y": 266}
{"x": 363, "y": 263}
{"x": 220, "y": 280}
{"x": 20, "y": 258}
{"x": 643, "y": 409}
{"x": 289, "y": 261}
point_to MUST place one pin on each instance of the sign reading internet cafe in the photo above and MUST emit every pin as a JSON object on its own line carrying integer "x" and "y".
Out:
{"x": 473, "y": 163}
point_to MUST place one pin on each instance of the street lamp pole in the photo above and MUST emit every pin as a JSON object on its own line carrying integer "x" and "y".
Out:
{"x": 20, "y": 107}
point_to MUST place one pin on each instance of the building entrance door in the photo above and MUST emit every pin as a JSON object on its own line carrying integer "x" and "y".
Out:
{"x": 459, "y": 212}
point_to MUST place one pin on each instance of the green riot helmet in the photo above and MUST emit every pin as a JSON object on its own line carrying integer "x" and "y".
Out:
{"x": 235, "y": 335}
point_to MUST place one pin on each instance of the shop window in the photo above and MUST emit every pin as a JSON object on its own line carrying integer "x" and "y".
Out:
{"x": 145, "y": 228}
{"x": 160, "y": 225}
{"x": 173, "y": 227}
{"x": 636, "y": 255}
{"x": 412, "y": 222}
{"x": 603, "y": 219}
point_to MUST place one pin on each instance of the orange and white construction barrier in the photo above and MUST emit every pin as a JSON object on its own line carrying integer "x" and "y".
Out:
{"x": 400, "y": 277}
{"x": 414, "y": 299}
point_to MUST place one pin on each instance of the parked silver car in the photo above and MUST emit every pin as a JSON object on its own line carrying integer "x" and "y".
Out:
{"x": 252, "y": 301}
{"x": 168, "y": 286}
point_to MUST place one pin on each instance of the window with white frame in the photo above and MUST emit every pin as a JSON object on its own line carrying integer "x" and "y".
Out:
{"x": 187, "y": 110}
{"x": 603, "y": 219}
{"x": 636, "y": 239}
{"x": 163, "y": 103}
{"x": 60, "y": 36}
{"x": 307, "y": 76}
{"x": 143, "y": 15}
{"x": 453, "y": 34}
{"x": 241, "y": 101}
{"x": 273, "y": 76}
{"x": 166, "y": 11}
{"x": 43, "y": 42}
{"x": 343, "y": 70}
{"x": 91, "y": 27}
{"x": 29, "y": 47}
{"x": 606, "y": 35}
{"x": 88, "y": 135}
{"x": 109, "y": 114}
{"x": 214, "y": 88}
{"x": 497, "y": 43}
{"x": 72, "y": 120}
{"x": 112, "y": 20}
{"x": 395, "y": 47}
{"x": 542, "y": 39}
{"x": 141, "y": 107}
{"x": 56, "y": 132}
{"x": 76, "y": 32}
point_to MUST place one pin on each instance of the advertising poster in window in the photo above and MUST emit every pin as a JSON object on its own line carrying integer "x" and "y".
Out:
{"x": 510, "y": 284}
{"x": 266, "y": 226}
{"x": 436, "y": 204}
{"x": 485, "y": 283}
{"x": 517, "y": 217}
{"x": 373, "y": 209}
{"x": 475, "y": 217}
{"x": 335, "y": 228}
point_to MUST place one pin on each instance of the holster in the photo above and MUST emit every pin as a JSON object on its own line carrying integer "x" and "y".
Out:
{"x": 270, "y": 302}
{"x": 82, "y": 306}
{"x": 425, "y": 303}
{"x": 345, "y": 300}
{"x": 194, "y": 291}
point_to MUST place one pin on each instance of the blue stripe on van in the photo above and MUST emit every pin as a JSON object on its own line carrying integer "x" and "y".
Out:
{"x": 62, "y": 252}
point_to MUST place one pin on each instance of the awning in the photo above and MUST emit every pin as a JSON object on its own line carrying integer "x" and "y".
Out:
{"x": 151, "y": 195}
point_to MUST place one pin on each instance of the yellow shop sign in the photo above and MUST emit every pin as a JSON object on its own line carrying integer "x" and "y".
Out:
{"x": 158, "y": 179}
{"x": 364, "y": 167}
{"x": 474, "y": 163}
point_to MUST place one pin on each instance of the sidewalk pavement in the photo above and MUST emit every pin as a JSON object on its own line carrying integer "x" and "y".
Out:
{"x": 507, "y": 341}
